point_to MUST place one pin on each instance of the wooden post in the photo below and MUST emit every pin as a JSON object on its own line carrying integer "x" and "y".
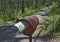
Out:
{"x": 30, "y": 38}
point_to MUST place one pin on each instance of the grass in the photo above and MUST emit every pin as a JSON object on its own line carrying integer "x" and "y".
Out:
{"x": 54, "y": 25}
{"x": 10, "y": 15}
{"x": 50, "y": 26}
{"x": 55, "y": 12}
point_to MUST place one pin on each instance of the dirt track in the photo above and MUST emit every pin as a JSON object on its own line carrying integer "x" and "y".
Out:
{"x": 8, "y": 35}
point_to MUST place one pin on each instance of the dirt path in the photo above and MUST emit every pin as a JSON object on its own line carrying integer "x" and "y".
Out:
{"x": 8, "y": 35}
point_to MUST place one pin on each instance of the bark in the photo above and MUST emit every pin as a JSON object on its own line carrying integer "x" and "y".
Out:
{"x": 23, "y": 6}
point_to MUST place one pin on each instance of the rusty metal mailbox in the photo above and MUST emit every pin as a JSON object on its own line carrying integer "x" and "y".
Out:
{"x": 28, "y": 25}
{"x": 32, "y": 24}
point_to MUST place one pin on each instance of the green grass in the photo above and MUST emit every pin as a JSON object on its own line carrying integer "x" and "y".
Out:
{"x": 12, "y": 15}
{"x": 54, "y": 25}
{"x": 55, "y": 12}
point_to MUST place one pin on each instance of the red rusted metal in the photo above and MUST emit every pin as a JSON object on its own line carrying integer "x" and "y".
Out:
{"x": 33, "y": 22}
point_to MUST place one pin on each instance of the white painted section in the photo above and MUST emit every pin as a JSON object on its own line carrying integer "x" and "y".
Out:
{"x": 20, "y": 26}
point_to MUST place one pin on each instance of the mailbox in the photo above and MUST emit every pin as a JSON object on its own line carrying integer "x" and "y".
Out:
{"x": 28, "y": 25}
{"x": 32, "y": 22}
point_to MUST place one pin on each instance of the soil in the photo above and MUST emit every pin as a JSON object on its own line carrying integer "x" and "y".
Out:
{"x": 9, "y": 35}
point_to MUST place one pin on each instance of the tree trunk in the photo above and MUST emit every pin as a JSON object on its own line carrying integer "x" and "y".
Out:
{"x": 36, "y": 4}
{"x": 23, "y": 6}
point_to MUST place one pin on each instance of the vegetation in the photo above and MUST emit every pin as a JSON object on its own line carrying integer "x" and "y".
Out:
{"x": 13, "y": 9}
